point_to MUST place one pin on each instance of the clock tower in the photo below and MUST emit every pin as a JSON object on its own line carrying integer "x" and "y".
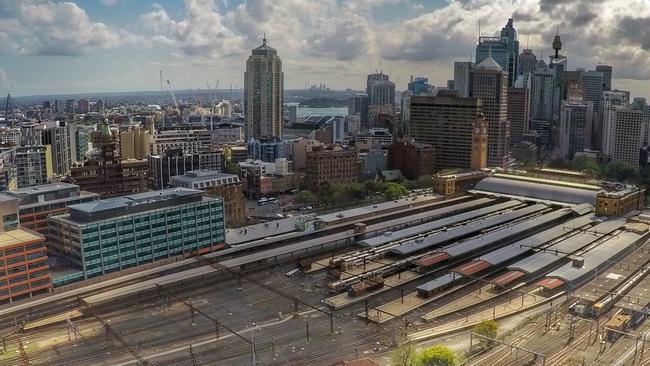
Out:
{"x": 479, "y": 143}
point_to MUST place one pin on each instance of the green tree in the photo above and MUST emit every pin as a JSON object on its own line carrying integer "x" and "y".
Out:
{"x": 621, "y": 171}
{"x": 393, "y": 191}
{"x": 404, "y": 355}
{"x": 231, "y": 168}
{"x": 585, "y": 164}
{"x": 306, "y": 196}
{"x": 487, "y": 328}
{"x": 437, "y": 355}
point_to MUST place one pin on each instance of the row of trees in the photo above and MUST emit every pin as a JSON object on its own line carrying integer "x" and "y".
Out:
{"x": 349, "y": 193}
{"x": 439, "y": 355}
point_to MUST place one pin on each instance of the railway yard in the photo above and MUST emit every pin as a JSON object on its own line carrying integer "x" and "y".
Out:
{"x": 569, "y": 288}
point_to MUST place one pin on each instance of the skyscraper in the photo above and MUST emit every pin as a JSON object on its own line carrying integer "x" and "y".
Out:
{"x": 448, "y": 124}
{"x": 640, "y": 104}
{"x": 382, "y": 92}
{"x": 592, "y": 86}
{"x": 358, "y": 104}
{"x": 518, "y": 111}
{"x": 463, "y": 78}
{"x": 576, "y": 119}
{"x": 263, "y": 93}
{"x": 377, "y": 76}
{"x": 622, "y": 138}
{"x": 541, "y": 101}
{"x": 610, "y": 100}
{"x": 526, "y": 62}
{"x": 491, "y": 86}
{"x": 503, "y": 49}
{"x": 607, "y": 76}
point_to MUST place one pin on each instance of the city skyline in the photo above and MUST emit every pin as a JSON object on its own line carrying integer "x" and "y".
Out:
{"x": 119, "y": 45}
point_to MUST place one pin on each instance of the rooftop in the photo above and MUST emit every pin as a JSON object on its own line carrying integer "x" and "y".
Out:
{"x": 18, "y": 236}
{"x": 45, "y": 188}
{"x": 134, "y": 199}
{"x": 202, "y": 175}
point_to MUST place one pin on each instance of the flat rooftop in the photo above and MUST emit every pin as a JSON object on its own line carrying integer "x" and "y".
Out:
{"x": 140, "y": 202}
{"x": 203, "y": 175}
{"x": 18, "y": 236}
{"x": 42, "y": 189}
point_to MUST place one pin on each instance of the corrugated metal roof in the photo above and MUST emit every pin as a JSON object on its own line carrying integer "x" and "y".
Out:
{"x": 596, "y": 257}
{"x": 437, "y": 283}
{"x": 550, "y": 283}
{"x": 482, "y": 241}
{"x": 538, "y": 261}
{"x": 536, "y": 190}
{"x": 506, "y": 278}
{"x": 582, "y": 208}
{"x": 430, "y": 260}
{"x": 522, "y": 246}
{"x": 472, "y": 267}
{"x": 415, "y": 230}
{"x": 413, "y": 246}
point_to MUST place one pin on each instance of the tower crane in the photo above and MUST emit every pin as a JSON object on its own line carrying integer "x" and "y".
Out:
{"x": 171, "y": 91}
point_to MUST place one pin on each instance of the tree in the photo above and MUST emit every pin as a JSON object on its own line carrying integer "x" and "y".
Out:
{"x": 393, "y": 191}
{"x": 487, "y": 328}
{"x": 404, "y": 355}
{"x": 306, "y": 197}
{"x": 585, "y": 164}
{"x": 621, "y": 171}
{"x": 437, "y": 355}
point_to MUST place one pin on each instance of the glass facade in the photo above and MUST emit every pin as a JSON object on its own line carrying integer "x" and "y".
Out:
{"x": 110, "y": 245}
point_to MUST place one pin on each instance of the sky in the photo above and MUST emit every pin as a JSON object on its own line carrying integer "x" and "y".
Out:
{"x": 79, "y": 46}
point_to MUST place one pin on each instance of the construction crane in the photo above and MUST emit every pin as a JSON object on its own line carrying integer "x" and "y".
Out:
{"x": 171, "y": 91}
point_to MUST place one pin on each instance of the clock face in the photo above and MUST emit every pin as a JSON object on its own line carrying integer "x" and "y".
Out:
{"x": 477, "y": 130}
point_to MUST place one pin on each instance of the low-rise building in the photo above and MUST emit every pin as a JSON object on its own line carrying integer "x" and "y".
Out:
{"x": 175, "y": 162}
{"x": 413, "y": 159}
{"x": 619, "y": 200}
{"x": 226, "y": 186}
{"x": 108, "y": 176}
{"x": 331, "y": 165}
{"x": 37, "y": 203}
{"x": 114, "y": 234}
{"x": 375, "y": 138}
{"x": 23, "y": 257}
{"x": 456, "y": 183}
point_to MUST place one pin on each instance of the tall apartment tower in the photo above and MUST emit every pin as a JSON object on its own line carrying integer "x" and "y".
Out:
{"x": 372, "y": 78}
{"x": 607, "y": 76}
{"x": 263, "y": 93}
{"x": 491, "y": 86}
{"x": 448, "y": 123}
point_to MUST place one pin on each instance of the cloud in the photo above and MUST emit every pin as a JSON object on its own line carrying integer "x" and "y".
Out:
{"x": 200, "y": 33}
{"x": 56, "y": 28}
{"x": 110, "y": 2}
{"x": 5, "y": 83}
